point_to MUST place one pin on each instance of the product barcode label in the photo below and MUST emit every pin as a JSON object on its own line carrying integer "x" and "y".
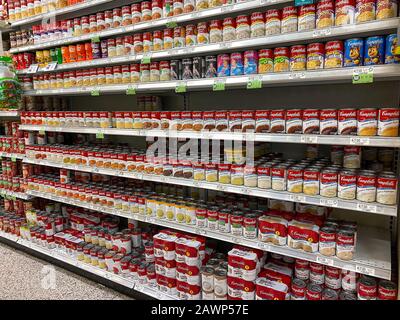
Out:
{"x": 325, "y": 261}
{"x": 365, "y": 270}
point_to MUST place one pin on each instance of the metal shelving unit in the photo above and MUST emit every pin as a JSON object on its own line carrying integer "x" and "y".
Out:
{"x": 339, "y": 75}
{"x": 15, "y": 195}
{"x": 9, "y": 114}
{"x": 389, "y": 25}
{"x": 257, "y": 192}
{"x": 236, "y": 136}
{"x": 63, "y": 256}
{"x": 364, "y": 262}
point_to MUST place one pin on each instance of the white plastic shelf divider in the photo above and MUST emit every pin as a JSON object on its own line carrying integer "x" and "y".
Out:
{"x": 9, "y": 114}
{"x": 314, "y": 35}
{"x": 370, "y": 243}
{"x": 353, "y": 205}
{"x": 338, "y": 75}
{"x": 58, "y": 12}
{"x": 17, "y": 195}
{"x": 12, "y": 155}
{"x": 63, "y": 256}
{"x": 160, "y": 23}
{"x": 393, "y": 142}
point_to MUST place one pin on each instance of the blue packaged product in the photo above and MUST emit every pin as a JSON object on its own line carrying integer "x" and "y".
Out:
{"x": 374, "y": 50}
{"x": 353, "y": 52}
{"x": 236, "y": 64}
{"x": 250, "y": 62}
{"x": 391, "y": 43}
{"x": 223, "y": 65}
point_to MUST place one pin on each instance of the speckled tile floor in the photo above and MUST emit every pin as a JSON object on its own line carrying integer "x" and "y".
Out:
{"x": 23, "y": 277}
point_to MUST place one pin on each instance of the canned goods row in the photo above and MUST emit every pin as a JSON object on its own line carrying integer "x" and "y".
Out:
{"x": 16, "y": 206}
{"x": 14, "y": 184}
{"x": 12, "y": 145}
{"x": 22, "y": 9}
{"x": 362, "y": 122}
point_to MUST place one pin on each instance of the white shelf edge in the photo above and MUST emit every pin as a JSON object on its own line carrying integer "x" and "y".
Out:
{"x": 64, "y": 257}
{"x": 358, "y": 264}
{"x": 12, "y": 155}
{"x": 263, "y": 193}
{"x": 196, "y": 15}
{"x": 214, "y": 135}
{"x": 338, "y": 75}
{"x": 5, "y": 114}
{"x": 318, "y": 34}
{"x": 19, "y": 195}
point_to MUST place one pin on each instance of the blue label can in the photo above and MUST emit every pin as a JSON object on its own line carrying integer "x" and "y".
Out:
{"x": 374, "y": 50}
{"x": 391, "y": 43}
{"x": 353, "y": 52}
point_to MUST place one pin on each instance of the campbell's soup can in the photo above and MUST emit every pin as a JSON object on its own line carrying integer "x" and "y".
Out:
{"x": 387, "y": 290}
{"x": 281, "y": 59}
{"x": 289, "y": 19}
{"x": 298, "y": 289}
{"x": 265, "y": 61}
{"x": 306, "y": 19}
{"x": 325, "y": 14}
{"x": 203, "y": 36}
{"x": 344, "y": 12}
{"x": 347, "y": 121}
{"x": 314, "y": 292}
{"x": 388, "y": 122}
{"x": 367, "y": 122}
{"x": 333, "y": 54}
{"x": 257, "y": 28}
{"x": 298, "y": 58}
{"x": 272, "y": 22}
{"x": 366, "y": 186}
{"x": 367, "y": 288}
{"x": 347, "y": 184}
{"x": 315, "y": 56}
{"x": 365, "y": 10}
{"x": 386, "y": 189}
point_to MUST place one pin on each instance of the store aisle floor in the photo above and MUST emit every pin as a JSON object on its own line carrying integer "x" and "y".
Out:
{"x": 25, "y": 277}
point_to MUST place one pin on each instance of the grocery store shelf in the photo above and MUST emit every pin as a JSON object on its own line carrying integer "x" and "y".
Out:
{"x": 16, "y": 195}
{"x": 58, "y": 12}
{"x": 320, "y": 34}
{"x": 237, "y": 136}
{"x": 9, "y": 114}
{"x": 160, "y": 23}
{"x": 12, "y": 155}
{"x": 257, "y": 192}
{"x": 339, "y": 75}
{"x": 63, "y": 256}
{"x": 370, "y": 242}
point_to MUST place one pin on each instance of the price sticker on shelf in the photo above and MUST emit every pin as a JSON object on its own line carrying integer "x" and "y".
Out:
{"x": 146, "y": 58}
{"x": 131, "y": 91}
{"x": 13, "y": 159}
{"x": 359, "y": 141}
{"x": 309, "y": 139}
{"x": 298, "y": 3}
{"x": 172, "y": 23}
{"x": 366, "y": 207}
{"x": 201, "y": 231}
{"x": 99, "y": 135}
{"x": 95, "y": 92}
{"x": 13, "y": 198}
{"x": 221, "y": 187}
{"x": 33, "y": 68}
{"x": 219, "y": 85}
{"x": 363, "y": 75}
{"x": 51, "y": 66}
{"x": 227, "y": 8}
{"x": 263, "y": 246}
{"x": 181, "y": 87}
{"x": 42, "y": 132}
{"x": 365, "y": 270}
{"x": 325, "y": 261}
{"x": 95, "y": 39}
{"x": 236, "y": 240}
{"x": 254, "y": 83}
{"x": 328, "y": 202}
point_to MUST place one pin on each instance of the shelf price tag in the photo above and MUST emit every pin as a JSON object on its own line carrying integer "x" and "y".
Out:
{"x": 146, "y": 58}
{"x": 131, "y": 91}
{"x": 33, "y": 68}
{"x": 365, "y": 270}
{"x": 366, "y": 207}
{"x": 171, "y": 24}
{"x": 254, "y": 83}
{"x": 95, "y": 92}
{"x": 328, "y": 202}
{"x": 51, "y": 66}
{"x": 325, "y": 261}
{"x": 359, "y": 140}
{"x": 364, "y": 75}
{"x": 13, "y": 159}
{"x": 302, "y": 2}
{"x": 99, "y": 135}
{"x": 42, "y": 132}
{"x": 95, "y": 39}
{"x": 219, "y": 85}
{"x": 181, "y": 87}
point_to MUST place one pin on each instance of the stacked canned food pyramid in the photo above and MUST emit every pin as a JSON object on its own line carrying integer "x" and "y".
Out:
{"x": 205, "y": 149}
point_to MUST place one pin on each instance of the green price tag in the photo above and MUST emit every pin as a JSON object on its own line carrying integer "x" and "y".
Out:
{"x": 254, "y": 83}
{"x": 171, "y": 24}
{"x": 13, "y": 159}
{"x": 41, "y": 132}
{"x": 95, "y": 93}
{"x": 181, "y": 87}
{"x": 14, "y": 198}
{"x": 302, "y": 2}
{"x": 100, "y": 135}
{"x": 95, "y": 39}
{"x": 146, "y": 58}
{"x": 219, "y": 85}
{"x": 360, "y": 77}
{"x": 131, "y": 91}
